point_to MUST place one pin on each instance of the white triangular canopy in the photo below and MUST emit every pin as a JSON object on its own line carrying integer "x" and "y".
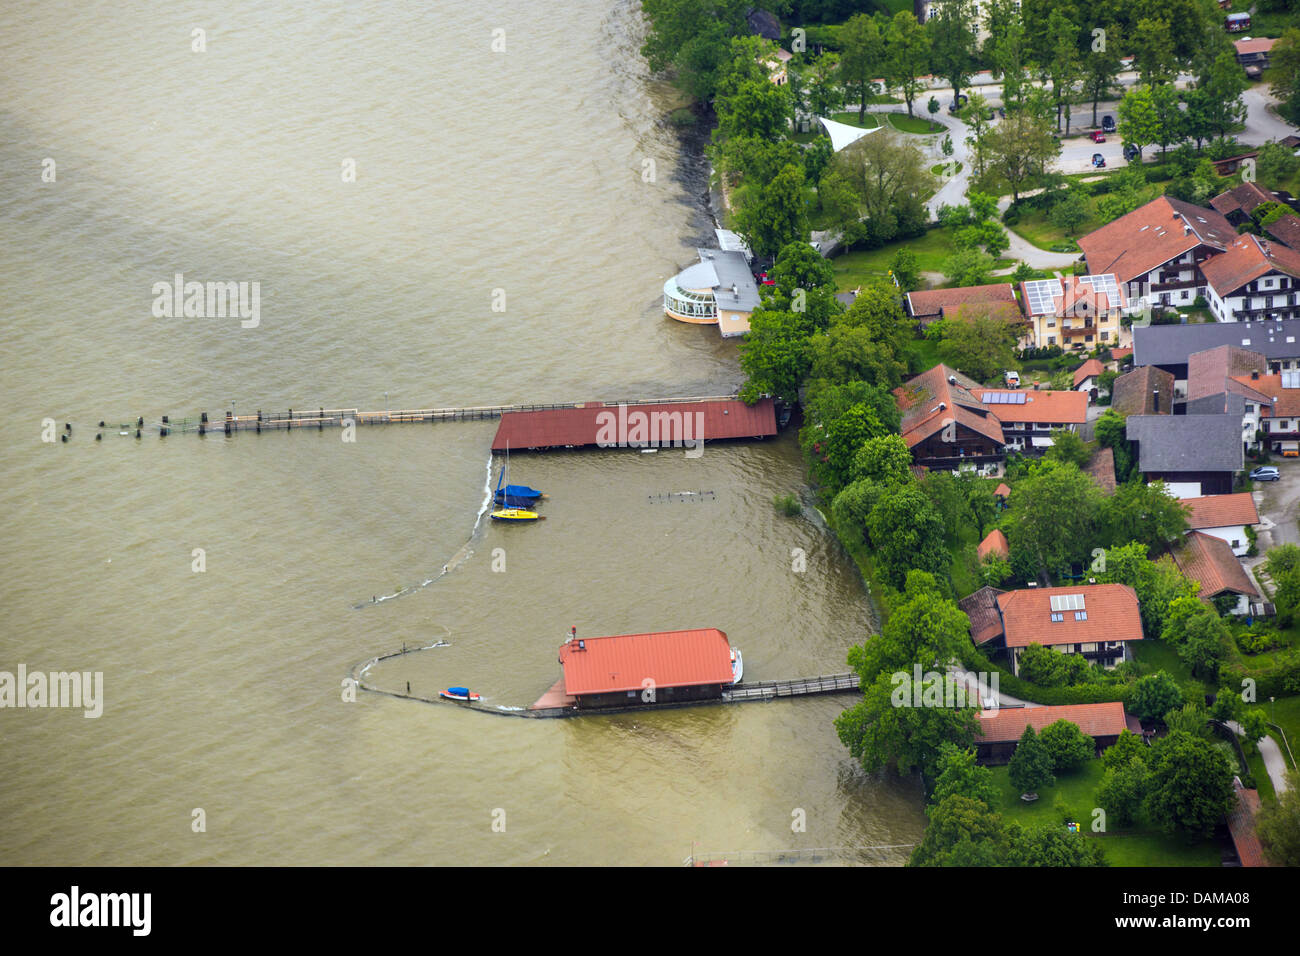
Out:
{"x": 842, "y": 134}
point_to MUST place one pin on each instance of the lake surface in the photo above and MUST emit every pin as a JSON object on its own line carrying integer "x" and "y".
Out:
{"x": 481, "y": 178}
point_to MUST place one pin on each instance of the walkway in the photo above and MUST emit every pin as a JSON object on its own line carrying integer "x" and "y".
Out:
{"x": 1273, "y": 760}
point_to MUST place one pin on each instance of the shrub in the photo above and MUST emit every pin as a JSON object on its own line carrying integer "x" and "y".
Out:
{"x": 788, "y": 505}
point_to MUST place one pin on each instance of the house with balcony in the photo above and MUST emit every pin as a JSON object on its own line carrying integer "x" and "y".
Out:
{"x": 946, "y": 426}
{"x": 1029, "y": 416}
{"x": 1279, "y": 418}
{"x": 1157, "y": 250}
{"x": 1077, "y": 312}
{"x": 1170, "y": 347}
{"x": 1098, "y": 621}
{"x": 930, "y": 305}
{"x": 1253, "y": 280}
{"x": 718, "y": 290}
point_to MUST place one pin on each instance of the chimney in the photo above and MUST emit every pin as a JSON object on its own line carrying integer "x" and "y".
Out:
{"x": 952, "y": 379}
{"x": 1254, "y": 376}
{"x": 1155, "y": 399}
{"x": 1032, "y": 584}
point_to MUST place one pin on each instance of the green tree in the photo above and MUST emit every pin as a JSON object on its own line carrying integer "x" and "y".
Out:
{"x": 1101, "y": 67}
{"x": 1153, "y": 52}
{"x": 887, "y": 178}
{"x": 952, "y": 29}
{"x": 776, "y": 215}
{"x": 905, "y": 269}
{"x": 799, "y": 266}
{"x": 908, "y": 47}
{"x": 1048, "y": 668}
{"x": 1109, "y": 430}
{"x": 959, "y": 774}
{"x": 1223, "y": 86}
{"x": 1067, "y": 745}
{"x": 692, "y": 38}
{"x": 1139, "y": 121}
{"x": 1278, "y": 825}
{"x": 924, "y": 627}
{"x": 843, "y": 437}
{"x": 969, "y": 266}
{"x": 1188, "y": 719}
{"x": 1146, "y": 513}
{"x": 1171, "y": 124}
{"x": 980, "y": 340}
{"x": 862, "y": 57}
{"x": 1054, "y": 513}
{"x": 1154, "y": 696}
{"x": 774, "y": 355}
{"x": 756, "y": 108}
{"x": 1063, "y": 67}
{"x": 879, "y": 733}
{"x": 1071, "y": 211}
{"x": 906, "y": 534}
{"x": 1031, "y": 765}
{"x": 1019, "y": 148}
{"x": 852, "y": 506}
{"x": 885, "y": 460}
{"x": 1191, "y": 786}
{"x": 1284, "y": 72}
{"x": 1125, "y": 748}
{"x": 962, "y": 832}
{"x": 1068, "y": 447}
{"x": 825, "y": 95}
{"x": 975, "y": 114}
{"x": 1050, "y": 846}
{"x": 1156, "y": 583}
{"x": 1123, "y": 791}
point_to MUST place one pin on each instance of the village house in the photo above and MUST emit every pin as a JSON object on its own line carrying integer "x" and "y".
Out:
{"x": 1225, "y": 517}
{"x": 930, "y": 305}
{"x": 1219, "y": 380}
{"x": 1238, "y": 203}
{"x": 1253, "y": 280}
{"x": 995, "y": 544}
{"x": 1078, "y": 312}
{"x": 1252, "y": 54}
{"x": 1170, "y": 347}
{"x": 1209, "y": 561}
{"x": 951, "y": 422}
{"x": 1285, "y": 230}
{"x": 1148, "y": 390}
{"x": 1193, "y": 455}
{"x": 1157, "y": 250}
{"x": 1000, "y": 730}
{"x": 946, "y": 426}
{"x": 1085, "y": 379}
{"x": 1279, "y": 418}
{"x": 718, "y": 290}
{"x": 1095, "y": 620}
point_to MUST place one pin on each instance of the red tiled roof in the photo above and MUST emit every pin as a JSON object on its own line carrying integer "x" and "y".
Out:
{"x": 1246, "y": 197}
{"x": 1067, "y": 408}
{"x": 1246, "y": 260}
{"x": 1279, "y": 402}
{"x": 1112, "y": 615}
{"x": 1092, "y": 367}
{"x": 604, "y": 665}
{"x": 995, "y": 542}
{"x": 1208, "y": 371}
{"x": 1007, "y": 724}
{"x": 1101, "y": 468}
{"x": 1209, "y": 560}
{"x": 1285, "y": 230}
{"x": 919, "y": 399}
{"x": 1221, "y": 511}
{"x": 1132, "y": 392}
{"x": 1254, "y": 45}
{"x": 1002, "y": 490}
{"x": 1152, "y": 235}
{"x": 579, "y": 427}
{"x": 1241, "y": 825}
{"x": 942, "y": 301}
{"x": 982, "y": 609}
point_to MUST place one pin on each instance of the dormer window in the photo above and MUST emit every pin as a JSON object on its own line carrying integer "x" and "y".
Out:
{"x": 1058, "y": 617}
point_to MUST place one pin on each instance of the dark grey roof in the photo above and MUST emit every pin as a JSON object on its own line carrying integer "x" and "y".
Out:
{"x": 1170, "y": 443}
{"x": 1172, "y": 344}
{"x": 732, "y": 268}
{"x": 1223, "y": 403}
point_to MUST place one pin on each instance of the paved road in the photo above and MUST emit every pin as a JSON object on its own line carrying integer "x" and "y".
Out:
{"x": 1278, "y": 503}
{"x": 1273, "y": 760}
{"x": 973, "y": 688}
{"x": 1026, "y": 251}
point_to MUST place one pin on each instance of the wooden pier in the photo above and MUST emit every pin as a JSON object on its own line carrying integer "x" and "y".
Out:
{"x": 798, "y": 687}
{"x": 320, "y": 418}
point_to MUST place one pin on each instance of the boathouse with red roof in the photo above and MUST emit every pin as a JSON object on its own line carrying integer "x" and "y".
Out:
{"x": 653, "y": 425}
{"x": 629, "y": 670}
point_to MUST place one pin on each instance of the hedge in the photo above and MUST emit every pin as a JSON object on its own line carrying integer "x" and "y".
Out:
{"x": 974, "y": 660}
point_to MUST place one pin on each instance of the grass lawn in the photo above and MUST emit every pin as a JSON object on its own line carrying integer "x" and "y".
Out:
{"x": 869, "y": 121}
{"x": 856, "y": 268}
{"x": 913, "y": 124}
{"x": 1285, "y": 712}
{"x": 1272, "y": 23}
{"x": 941, "y": 169}
{"x": 1079, "y": 790}
{"x": 1154, "y": 655}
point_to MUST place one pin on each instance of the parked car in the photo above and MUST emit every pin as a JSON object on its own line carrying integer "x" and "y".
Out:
{"x": 1108, "y": 124}
{"x": 762, "y": 279}
{"x": 1012, "y": 378}
{"x": 1131, "y": 153}
{"x": 1266, "y": 473}
{"x": 1098, "y": 136}
{"x": 1098, "y": 160}
{"x": 958, "y": 103}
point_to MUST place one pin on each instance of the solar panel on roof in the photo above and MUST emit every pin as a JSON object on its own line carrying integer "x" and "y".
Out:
{"x": 1039, "y": 293}
{"x": 1004, "y": 398}
{"x": 1067, "y": 602}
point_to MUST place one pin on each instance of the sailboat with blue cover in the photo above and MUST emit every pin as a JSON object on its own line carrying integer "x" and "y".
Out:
{"x": 515, "y": 501}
